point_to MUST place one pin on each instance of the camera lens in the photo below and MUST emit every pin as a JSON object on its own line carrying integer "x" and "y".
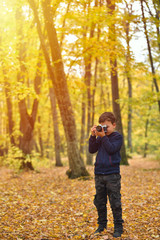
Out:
{"x": 99, "y": 128}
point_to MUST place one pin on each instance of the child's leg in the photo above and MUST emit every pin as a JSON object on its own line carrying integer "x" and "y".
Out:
{"x": 101, "y": 200}
{"x": 114, "y": 187}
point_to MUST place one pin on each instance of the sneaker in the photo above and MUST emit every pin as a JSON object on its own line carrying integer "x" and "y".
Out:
{"x": 117, "y": 234}
{"x": 118, "y": 231}
{"x": 100, "y": 229}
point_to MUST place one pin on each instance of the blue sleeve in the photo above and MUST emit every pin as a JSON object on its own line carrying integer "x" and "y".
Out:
{"x": 113, "y": 146}
{"x": 93, "y": 144}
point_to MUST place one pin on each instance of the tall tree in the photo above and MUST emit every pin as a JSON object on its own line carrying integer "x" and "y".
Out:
{"x": 114, "y": 74}
{"x": 27, "y": 121}
{"x": 88, "y": 77}
{"x": 9, "y": 105}
{"x": 150, "y": 53}
{"x": 57, "y": 75}
{"x": 8, "y": 97}
{"x": 128, "y": 14}
{"x": 83, "y": 120}
{"x": 95, "y": 78}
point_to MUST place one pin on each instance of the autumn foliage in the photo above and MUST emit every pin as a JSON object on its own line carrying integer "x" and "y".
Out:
{"x": 48, "y": 205}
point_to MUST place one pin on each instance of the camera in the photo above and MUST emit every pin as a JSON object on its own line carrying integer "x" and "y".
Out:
{"x": 99, "y": 128}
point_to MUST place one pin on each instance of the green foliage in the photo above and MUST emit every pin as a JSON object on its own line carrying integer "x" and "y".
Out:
{"x": 14, "y": 158}
{"x": 39, "y": 162}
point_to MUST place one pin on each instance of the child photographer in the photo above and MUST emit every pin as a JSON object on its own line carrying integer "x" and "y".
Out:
{"x": 107, "y": 143}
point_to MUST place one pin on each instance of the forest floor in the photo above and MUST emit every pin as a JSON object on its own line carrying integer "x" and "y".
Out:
{"x": 47, "y": 205}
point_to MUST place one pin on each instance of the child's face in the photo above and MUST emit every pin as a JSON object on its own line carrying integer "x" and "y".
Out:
{"x": 110, "y": 126}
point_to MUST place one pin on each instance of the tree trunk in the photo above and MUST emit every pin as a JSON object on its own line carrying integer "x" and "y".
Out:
{"x": 26, "y": 124}
{"x": 48, "y": 155}
{"x": 146, "y": 134}
{"x": 40, "y": 137}
{"x": 26, "y": 142}
{"x": 89, "y": 156}
{"x": 128, "y": 74}
{"x": 27, "y": 121}
{"x": 94, "y": 90}
{"x": 9, "y": 108}
{"x": 57, "y": 143}
{"x": 95, "y": 76}
{"x": 82, "y": 137}
{"x": 114, "y": 78}
{"x": 88, "y": 75}
{"x": 8, "y": 98}
{"x": 129, "y": 115}
{"x": 77, "y": 167}
{"x": 150, "y": 53}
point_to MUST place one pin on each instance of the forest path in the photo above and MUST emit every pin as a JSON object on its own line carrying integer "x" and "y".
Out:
{"x": 48, "y": 205}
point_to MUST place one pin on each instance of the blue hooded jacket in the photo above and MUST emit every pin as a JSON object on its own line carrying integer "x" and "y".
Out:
{"x": 108, "y": 157}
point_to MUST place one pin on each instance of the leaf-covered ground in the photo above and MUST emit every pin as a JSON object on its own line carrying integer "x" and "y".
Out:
{"x": 48, "y": 205}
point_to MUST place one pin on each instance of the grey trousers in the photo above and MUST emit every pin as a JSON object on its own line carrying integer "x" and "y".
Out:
{"x": 108, "y": 186}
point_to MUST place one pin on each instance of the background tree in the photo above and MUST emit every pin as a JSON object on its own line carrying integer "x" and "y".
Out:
{"x": 114, "y": 75}
{"x": 57, "y": 142}
{"x": 129, "y": 13}
{"x": 150, "y": 52}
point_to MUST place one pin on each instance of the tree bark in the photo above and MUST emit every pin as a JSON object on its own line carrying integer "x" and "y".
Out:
{"x": 89, "y": 156}
{"x": 94, "y": 90}
{"x": 57, "y": 143}
{"x": 83, "y": 119}
{"x": 27, "y": 121}
{"x": 114, "y": 78}
{"x": 40, "y": 137}
{"x": 9, "y": 108}
{"x": 128, "y": 74}
{"x": 57, "y": 75}
{"x": 26, "y": 142}
{"x": 8, "y": 99}
{"x": 95, "y": 77}
{"x": 129, "y": 114}
{"x": 150, "y": 54}
{"x": 88, "y": 76}
{"x": 146, "y": 134}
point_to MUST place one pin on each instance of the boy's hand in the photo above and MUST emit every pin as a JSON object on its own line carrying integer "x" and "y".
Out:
{"x": 100, "y": 134}
{"x": 93, "y": 130}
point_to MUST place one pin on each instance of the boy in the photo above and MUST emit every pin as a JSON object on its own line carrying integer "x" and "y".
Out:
{"x": 107, "y": 171}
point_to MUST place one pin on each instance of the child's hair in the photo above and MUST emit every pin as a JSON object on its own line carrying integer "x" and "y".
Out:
{"x": 109, "y": 116}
